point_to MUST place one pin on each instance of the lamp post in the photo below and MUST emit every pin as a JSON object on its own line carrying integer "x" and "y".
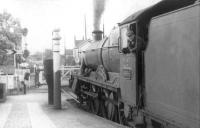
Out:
{"x": 56, "y": 64}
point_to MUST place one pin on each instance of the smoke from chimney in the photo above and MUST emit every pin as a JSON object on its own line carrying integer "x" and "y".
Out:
{"x": 99, "y": 6}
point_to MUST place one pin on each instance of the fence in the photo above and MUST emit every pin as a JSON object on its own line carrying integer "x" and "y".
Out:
{"x": 13, "y": 82}
{"x": 66, "y": 72}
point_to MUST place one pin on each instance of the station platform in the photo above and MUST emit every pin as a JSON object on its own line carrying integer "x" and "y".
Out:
{"x": 32, "y": 111}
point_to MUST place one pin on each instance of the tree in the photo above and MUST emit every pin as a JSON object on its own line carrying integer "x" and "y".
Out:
{"x": 26, "y": 53}
{"x": 48, "y": 54}
{"x": 11, "y": 34}
{"x": 36, "y": 56}
{"x": 70, "y": 60}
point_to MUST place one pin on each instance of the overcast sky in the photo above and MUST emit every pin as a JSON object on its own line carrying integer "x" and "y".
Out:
{"x": 42, "y": 16}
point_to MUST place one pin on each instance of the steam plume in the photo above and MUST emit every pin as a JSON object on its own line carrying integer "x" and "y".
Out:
{"x": 99, "y": 6}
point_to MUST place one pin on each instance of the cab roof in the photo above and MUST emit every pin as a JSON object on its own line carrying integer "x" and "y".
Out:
{"x": 161, "y": 7}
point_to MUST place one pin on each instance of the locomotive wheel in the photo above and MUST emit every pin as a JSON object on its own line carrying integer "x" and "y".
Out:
{"x": 95, "y": 106}
{"x": 122, "y": 117}
{"x": 103, "y": 111}
{"x": 110, "y": 107}
{"x": 88, "y": 104}
{"x": 80, "y": 98}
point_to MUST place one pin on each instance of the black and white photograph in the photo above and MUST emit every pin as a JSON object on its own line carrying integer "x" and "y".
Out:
{"x": 99, "y": 63}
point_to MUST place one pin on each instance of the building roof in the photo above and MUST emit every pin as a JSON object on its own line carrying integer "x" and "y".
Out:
{"x": 7, "y": 69}
{"x": 77, "y": 43}
{"x": 80, "y": 43}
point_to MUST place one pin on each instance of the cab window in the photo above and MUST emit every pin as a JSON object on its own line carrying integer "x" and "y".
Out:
{"x": 123, "y": 34}
{"x": 123, "y": 37}
{"x": 114, "y": 36}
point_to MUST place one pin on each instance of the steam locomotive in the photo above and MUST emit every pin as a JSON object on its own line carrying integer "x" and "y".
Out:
{"x": 154, "y": 86}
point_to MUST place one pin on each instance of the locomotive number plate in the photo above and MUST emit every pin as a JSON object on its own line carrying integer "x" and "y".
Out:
{"x": 127, "y": 73}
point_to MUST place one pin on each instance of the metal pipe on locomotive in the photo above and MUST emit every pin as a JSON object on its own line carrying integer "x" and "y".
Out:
{"x": 153, "y": 82}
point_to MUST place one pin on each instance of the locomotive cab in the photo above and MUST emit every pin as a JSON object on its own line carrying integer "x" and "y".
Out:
{"x": 131, "y": 73}
{"x": 124, "y": 38}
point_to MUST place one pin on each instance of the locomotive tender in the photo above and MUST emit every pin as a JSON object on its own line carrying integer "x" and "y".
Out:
{"x": 156, "y": 86}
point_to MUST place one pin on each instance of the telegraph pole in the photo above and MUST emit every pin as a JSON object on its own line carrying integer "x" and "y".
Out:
{"x": 65, "y": 53}
{"x": 85, "y": 27}
{"x": 56, "y": 64}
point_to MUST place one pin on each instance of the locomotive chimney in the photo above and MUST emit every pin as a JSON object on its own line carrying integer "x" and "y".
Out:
{"x": 97, "y": 35}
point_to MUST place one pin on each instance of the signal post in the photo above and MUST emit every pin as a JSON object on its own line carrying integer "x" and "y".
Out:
{"x": 56, "y": 64}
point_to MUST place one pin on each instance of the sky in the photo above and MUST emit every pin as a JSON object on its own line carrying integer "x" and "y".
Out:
{"x": 41, "y": 17}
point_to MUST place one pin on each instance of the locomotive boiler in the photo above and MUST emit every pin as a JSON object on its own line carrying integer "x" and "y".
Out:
{"x": 149, "y": 78}
{"x": 102, "y": 52}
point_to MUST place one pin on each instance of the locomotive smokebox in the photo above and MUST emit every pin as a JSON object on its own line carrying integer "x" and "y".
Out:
{"x": 97, "y": 35}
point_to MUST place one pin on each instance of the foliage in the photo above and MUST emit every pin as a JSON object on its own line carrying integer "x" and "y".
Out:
{"x": 48, "y": 54}
{"x": 70, "y": 61}
{"x": 11, "y": 31}
{"x": 11, "y": 34}
{"x": 67, "y": 58}
{"x": 6, "y": 59}
{"x": 19, "y": 58}
{"x": 36, "y": 57}
{"x": 25, "y": 31}
{"x": 26, "y": 53}
{"x": 69, "y": 52}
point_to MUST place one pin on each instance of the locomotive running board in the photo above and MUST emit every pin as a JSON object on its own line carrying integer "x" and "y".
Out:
{"x": 97, "y": 83}
{"x": 92, "y": 94}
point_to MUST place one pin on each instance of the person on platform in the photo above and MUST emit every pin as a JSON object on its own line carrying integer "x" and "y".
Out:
{"x": 37, "y": 83}
{"x": 25, "y": 82}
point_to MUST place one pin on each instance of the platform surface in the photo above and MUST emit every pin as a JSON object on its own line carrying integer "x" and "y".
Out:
{"x": 32, "y": 111}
